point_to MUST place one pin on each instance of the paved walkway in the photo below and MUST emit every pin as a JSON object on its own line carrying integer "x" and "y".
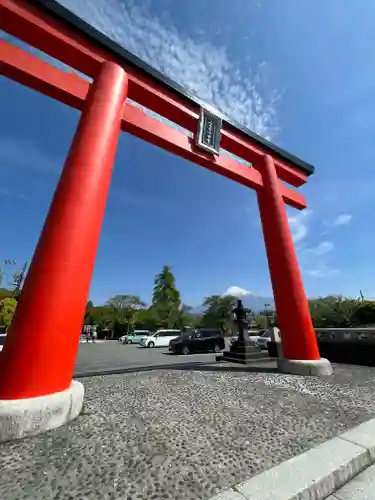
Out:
{"x": 186, "y": 434}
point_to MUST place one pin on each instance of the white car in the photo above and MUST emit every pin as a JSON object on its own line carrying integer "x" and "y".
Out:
{"x": 161, "y": 338}
{"x": 254, "y": 335}
{"x": 263, "y": 340}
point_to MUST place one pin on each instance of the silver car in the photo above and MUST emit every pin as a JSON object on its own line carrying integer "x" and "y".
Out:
{"x": 134, "y": 337}
{"x": 263, "y": 340}
{"x": 253, "y": 335}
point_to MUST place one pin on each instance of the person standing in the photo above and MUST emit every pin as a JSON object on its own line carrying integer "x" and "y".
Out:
{"x": 94, "y": 333}
{"x": 87, "y": 333}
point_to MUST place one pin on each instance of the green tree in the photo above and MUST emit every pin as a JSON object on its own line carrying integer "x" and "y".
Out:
{"x": 7, "y": 309}
{"x": 186, "y": 318}
{"x": 4, "y": 293}
{"x": 166, "y": 301}
{"x": 88, "y": 318}
{"x": 103, "y": 316}
{"x": 219, "y": 311}
{"x": 147, "y": 319}
{"x": 335, "y": 311}
{"x": 183, "y": 318}
{"x": 126, "y": 309}
{"x": 124, "y": 301}
{"x": 365, "y": 314}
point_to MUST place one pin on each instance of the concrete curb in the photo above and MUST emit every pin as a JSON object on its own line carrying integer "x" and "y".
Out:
{"x": 362, "y": 487}
{"x": 315, "y": 474}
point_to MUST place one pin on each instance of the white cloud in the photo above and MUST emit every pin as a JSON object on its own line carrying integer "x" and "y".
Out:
{"x": 315, "y": 262}
{"x": 342, "y": 220}
{"x": 237, "y": 291}
{"x": 298, "y": 225}
{"x": 323, "y": 248}
{"x": 203, "y": 68}
{"x": 322, "y": 271}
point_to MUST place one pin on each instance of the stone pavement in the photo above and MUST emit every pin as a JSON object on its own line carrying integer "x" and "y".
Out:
{"x": 184, "y": 434}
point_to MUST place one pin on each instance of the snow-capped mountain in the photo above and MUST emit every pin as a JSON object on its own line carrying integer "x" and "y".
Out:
{"x": 249, "y": 299}
{"x": 257, "y": 303}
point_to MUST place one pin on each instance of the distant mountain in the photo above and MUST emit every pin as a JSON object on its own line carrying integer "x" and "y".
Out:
{"x": 256, "y": 303}
{"x": 196, "y": 311}
{"x": 249, "y": 300}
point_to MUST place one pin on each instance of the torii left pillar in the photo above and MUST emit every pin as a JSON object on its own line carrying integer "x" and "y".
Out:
{"x": 37, "y": 363}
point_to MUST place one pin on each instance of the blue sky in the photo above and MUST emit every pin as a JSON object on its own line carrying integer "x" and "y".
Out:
{"x": 301, "y": 73}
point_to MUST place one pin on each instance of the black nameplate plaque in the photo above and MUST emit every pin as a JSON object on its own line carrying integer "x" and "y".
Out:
{"x": 209, "y": 132}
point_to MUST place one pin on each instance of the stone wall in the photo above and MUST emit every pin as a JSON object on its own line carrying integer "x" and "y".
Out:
{"x": 346, "y": 334}
{"x": 343, "y": 345}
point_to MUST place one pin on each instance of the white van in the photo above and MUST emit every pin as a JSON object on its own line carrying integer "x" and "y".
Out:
{"x": 161, "y": 338}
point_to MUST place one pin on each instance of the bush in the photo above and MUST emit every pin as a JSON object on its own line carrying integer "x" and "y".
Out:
{"x": 7, "y": 309}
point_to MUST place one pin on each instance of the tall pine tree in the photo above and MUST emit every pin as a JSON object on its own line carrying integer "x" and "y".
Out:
{"x": 166, "y": 301}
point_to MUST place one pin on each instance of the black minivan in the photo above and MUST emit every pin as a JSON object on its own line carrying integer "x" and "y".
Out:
{"x": 201, "y": 340}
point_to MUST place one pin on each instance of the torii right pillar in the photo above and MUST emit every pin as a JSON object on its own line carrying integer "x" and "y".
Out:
{"x": 299, "y": 344}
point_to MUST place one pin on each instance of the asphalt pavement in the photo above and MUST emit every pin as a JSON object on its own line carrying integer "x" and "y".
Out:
{"x": 114, "y": 357}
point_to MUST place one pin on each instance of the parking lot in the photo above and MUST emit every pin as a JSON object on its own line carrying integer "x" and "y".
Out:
{"x": 111, "y": 355}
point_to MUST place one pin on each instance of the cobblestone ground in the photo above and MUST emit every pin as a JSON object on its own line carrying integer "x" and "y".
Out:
{"x": 177, "y": 434}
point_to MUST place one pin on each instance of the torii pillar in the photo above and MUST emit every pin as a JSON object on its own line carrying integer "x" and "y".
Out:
{"x": 299, "y": 344}
{"x": 37, "y": 362}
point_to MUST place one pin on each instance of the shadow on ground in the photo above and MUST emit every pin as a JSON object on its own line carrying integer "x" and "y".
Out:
{"x": 262, "y": 366}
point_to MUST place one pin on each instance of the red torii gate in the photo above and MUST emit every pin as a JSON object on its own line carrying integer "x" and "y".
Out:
{"x": 35, "y": 361}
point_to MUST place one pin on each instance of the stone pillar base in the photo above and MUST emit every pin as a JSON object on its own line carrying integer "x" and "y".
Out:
{"x": 21, "y": 418}
{"x": 317, "y": 367}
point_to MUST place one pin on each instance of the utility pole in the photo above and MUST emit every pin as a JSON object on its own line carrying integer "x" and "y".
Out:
{"x": 266, "y": 306}
{"x": 18, "y": 281}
